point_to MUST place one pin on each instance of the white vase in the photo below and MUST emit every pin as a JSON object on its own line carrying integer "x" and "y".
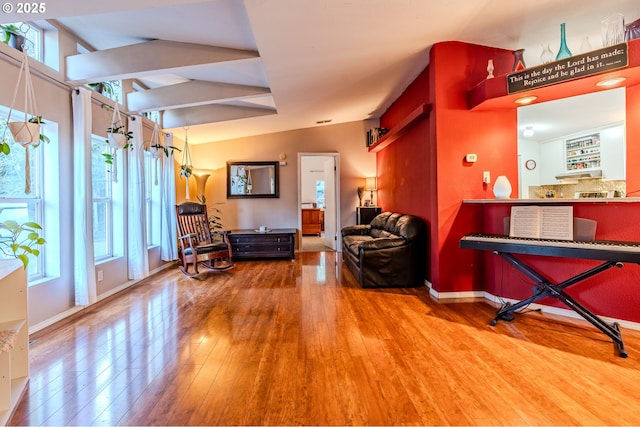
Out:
{"x": 502, "y": 188}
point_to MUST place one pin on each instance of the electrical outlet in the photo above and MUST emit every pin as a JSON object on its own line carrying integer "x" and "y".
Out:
{"x": 100, "y": 275}
{"x": 486, "y": 177}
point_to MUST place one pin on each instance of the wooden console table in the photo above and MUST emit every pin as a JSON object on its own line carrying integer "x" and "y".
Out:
{"x": 276, "y": 243}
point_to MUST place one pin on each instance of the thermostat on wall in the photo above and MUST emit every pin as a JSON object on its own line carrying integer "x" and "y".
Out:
{"x": 470, "y": 158}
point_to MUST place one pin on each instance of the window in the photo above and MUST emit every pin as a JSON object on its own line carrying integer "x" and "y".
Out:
{"x": 15, "y": 204}
{"x": 320, "y": 194}
{"x": 101, "y": 181}
{"x": 32, "y": 41}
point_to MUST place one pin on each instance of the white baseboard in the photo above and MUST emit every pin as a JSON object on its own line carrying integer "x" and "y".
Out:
{"x": 50, "y": 321}
{"x": 61, "y": 316}
{"x": 542, "y": 308}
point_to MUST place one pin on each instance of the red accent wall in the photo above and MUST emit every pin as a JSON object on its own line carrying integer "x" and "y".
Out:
{"x": 423, "y": 172}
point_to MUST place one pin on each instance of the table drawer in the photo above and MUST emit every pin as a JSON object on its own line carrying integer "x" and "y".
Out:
{"x": 266, "y": 239}
{"x": 248, "y": 244}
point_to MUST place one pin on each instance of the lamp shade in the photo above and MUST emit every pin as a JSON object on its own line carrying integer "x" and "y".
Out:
{"x": 370, "y": 183}
{"x": 502, "y": 188}
{"x": 201, "y": 182}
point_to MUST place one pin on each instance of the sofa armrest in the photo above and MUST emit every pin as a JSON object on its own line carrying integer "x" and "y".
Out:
{"x": 360, "y": 229}
{"x": 382, "y": 243}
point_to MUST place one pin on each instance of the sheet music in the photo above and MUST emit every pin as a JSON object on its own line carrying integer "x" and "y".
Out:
{"x": 542, "y": 222}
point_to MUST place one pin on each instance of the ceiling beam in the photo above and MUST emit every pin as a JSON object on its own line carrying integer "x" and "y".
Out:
{"x": 141, "y": 59}
{"x": 188, "y": 94}
{"x": 212, "y": 113}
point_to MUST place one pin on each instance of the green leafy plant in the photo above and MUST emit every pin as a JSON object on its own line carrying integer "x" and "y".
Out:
{"x": 5, "y": 148}
{"x": 9, "y": 30}
{"x": 166, "y": 149}
{"x": 117, "y": 129}
{"x": 214, "y": 215}
{"x": 104, "y": 88}
{"x": 38, "y": 120}
{"x": 186, "y": 171}
{"x": 20, "y": 240}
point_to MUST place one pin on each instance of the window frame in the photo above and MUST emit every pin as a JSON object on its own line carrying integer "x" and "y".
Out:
{"x": 107, "y": 201}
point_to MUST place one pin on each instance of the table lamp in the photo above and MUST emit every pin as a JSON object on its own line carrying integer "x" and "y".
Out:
{"x": 370, "y": 184}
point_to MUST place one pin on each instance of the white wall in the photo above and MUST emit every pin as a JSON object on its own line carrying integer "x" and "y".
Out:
{"x": 347, "y": 139}
{"x": 312, "y": 169}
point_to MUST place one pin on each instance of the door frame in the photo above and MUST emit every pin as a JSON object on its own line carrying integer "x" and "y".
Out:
{"x": 336, "y": 157}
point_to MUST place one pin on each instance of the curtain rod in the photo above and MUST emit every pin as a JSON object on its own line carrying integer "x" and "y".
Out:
{"x": 10, "y": 59}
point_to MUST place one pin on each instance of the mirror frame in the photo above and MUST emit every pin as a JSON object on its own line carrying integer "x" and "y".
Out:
{"x": 276, "y": 194}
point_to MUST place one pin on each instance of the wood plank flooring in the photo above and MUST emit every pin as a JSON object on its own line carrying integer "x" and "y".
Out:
{"x": 299, "y": 343}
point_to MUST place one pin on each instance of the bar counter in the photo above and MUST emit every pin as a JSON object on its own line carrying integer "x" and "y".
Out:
{"x": 552, "y": 201}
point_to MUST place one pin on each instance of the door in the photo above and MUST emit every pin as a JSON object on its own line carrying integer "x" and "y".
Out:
{"x": 330, "y": 175}
{"x": 330, "y": 212}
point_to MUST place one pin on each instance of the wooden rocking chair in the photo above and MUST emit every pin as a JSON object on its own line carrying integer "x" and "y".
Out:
{"x": 197, "y": 241}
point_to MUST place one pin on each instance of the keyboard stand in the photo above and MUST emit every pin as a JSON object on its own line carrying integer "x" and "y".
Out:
{"x": 545, "y": 288}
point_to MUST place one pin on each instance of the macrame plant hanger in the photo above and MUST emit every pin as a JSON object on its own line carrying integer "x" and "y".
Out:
{"x": 115, "y": 140}
{"x": 25, "y": 133}
{"x": 186, "y": 167}
{"x": 156, "y": 149}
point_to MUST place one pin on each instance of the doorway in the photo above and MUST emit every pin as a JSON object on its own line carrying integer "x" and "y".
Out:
{"x": 319, "y": 201}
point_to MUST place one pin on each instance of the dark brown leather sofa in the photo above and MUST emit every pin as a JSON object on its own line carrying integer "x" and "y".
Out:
{"x": 389, "y": 252}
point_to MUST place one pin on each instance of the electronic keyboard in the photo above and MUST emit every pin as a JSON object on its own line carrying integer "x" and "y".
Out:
{"x": 606, "y": 250}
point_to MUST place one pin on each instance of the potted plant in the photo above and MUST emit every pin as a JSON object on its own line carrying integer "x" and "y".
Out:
{"x": 186, "y": 171}
{"x": 103, "y": 88}
{"x": 29, "y": 132}
{"x": 158, "y": 149}
{"x": 118, "y": 137}
{"x": 20, "y": 240}
{"x": 13, "y": 36}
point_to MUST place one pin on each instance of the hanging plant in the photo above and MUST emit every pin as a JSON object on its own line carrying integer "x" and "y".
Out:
{"x": 26, "y": 132}
{"x": 186, "y": 171}
{"x": 156, "y": 148}
{"x": 186, "y": 167}
{"x": 117, "y": 138}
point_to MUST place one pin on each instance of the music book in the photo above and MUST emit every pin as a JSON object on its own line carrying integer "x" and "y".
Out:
{"x": 542, "y": 222}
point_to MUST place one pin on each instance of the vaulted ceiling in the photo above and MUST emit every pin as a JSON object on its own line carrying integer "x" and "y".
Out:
{"x": 233, "y": 68}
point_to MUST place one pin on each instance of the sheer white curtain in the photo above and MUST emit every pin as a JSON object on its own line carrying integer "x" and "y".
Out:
{"x": 168, "y": 235}
{"x": 138, "y": 258}
{"x": 83, "y": 259}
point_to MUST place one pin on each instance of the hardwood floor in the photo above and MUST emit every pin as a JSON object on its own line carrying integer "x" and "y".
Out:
{"x": 299, "y": 343}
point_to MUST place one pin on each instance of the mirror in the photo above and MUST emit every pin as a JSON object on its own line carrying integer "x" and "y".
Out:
{"x": 544, "y": 158}
{"x": 252, "y": 180}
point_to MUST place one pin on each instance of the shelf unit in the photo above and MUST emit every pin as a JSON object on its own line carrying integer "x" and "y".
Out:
{"x": 397, "y": 131}
{"x": 583, "y": 153}
{"x": 492, "y": 94}
{"x": 14, "y": 336}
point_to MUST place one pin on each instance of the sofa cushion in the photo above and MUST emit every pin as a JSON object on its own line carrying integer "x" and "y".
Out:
{"x": 352, "y": 242}
{"x": 393, "y": 224}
